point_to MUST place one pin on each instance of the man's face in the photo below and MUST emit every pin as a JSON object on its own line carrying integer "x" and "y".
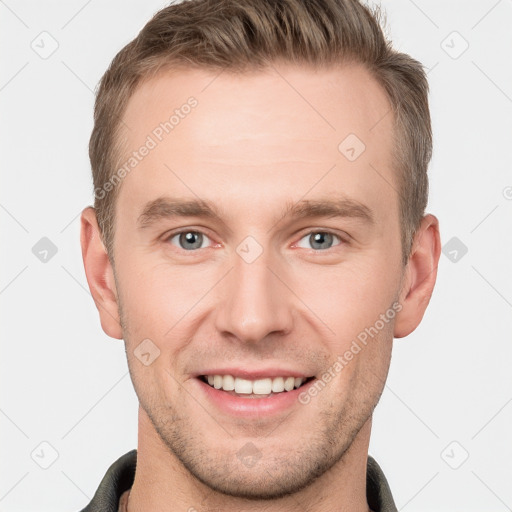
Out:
{"x": 256, "y": 294}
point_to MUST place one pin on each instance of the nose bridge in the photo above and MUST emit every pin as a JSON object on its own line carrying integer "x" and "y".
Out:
{"x": 254, "y": 303}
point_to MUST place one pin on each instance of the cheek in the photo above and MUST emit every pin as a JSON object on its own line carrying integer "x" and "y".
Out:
{"x": 349, "y": 298}
{"x": 159, "y": 296}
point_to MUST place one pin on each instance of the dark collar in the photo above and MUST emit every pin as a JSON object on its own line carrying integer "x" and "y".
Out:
{"x": 120, "y": 475}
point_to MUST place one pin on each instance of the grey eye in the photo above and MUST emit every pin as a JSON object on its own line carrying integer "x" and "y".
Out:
{"x": 189, "y": 240}
{"x": 319, "y": 240}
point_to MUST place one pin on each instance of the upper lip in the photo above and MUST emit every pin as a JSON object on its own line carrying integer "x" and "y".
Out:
{"x": 254, "y": 374}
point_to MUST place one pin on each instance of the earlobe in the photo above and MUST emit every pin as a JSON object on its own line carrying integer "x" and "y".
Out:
{"x": 420, "y": 276}
{"x": 100, "y": 274}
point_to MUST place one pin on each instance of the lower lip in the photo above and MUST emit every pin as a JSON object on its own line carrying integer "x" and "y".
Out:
{"x": 244, "y": 407}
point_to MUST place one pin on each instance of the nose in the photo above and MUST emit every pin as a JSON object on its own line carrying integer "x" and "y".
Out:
{"x": 255, "y": 302}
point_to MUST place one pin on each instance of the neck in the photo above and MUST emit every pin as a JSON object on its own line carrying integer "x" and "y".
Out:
{"x": 163, "y": 483}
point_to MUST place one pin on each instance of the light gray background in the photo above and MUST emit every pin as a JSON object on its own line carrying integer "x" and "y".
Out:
{"x": 64, "y": 382}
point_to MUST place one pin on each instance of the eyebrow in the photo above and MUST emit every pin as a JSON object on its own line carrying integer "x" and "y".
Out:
{"x": 167, "y": 207}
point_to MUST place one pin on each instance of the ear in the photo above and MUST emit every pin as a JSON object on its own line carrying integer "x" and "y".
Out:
{"x": 100, "y": 274}
{"x": 420, "y": 276}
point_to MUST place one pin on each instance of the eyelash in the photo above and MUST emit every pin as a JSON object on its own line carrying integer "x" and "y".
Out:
{"x": 342, "y": 240}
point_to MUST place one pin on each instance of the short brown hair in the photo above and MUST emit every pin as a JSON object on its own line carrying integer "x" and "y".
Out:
{"x": 251, "y": 34}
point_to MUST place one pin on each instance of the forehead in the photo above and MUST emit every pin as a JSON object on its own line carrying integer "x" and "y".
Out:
{"x": 253, "y": 135}
{"x": 326, "y": 100}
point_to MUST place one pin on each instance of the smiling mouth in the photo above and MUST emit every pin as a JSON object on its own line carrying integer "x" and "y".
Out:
{"x": 259, "y": 388}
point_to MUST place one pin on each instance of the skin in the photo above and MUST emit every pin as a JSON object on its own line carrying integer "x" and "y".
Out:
{"x": 252, "y": 145}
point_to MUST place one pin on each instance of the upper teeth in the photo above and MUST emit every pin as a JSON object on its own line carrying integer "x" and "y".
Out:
{"x": 257, "y": 387}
